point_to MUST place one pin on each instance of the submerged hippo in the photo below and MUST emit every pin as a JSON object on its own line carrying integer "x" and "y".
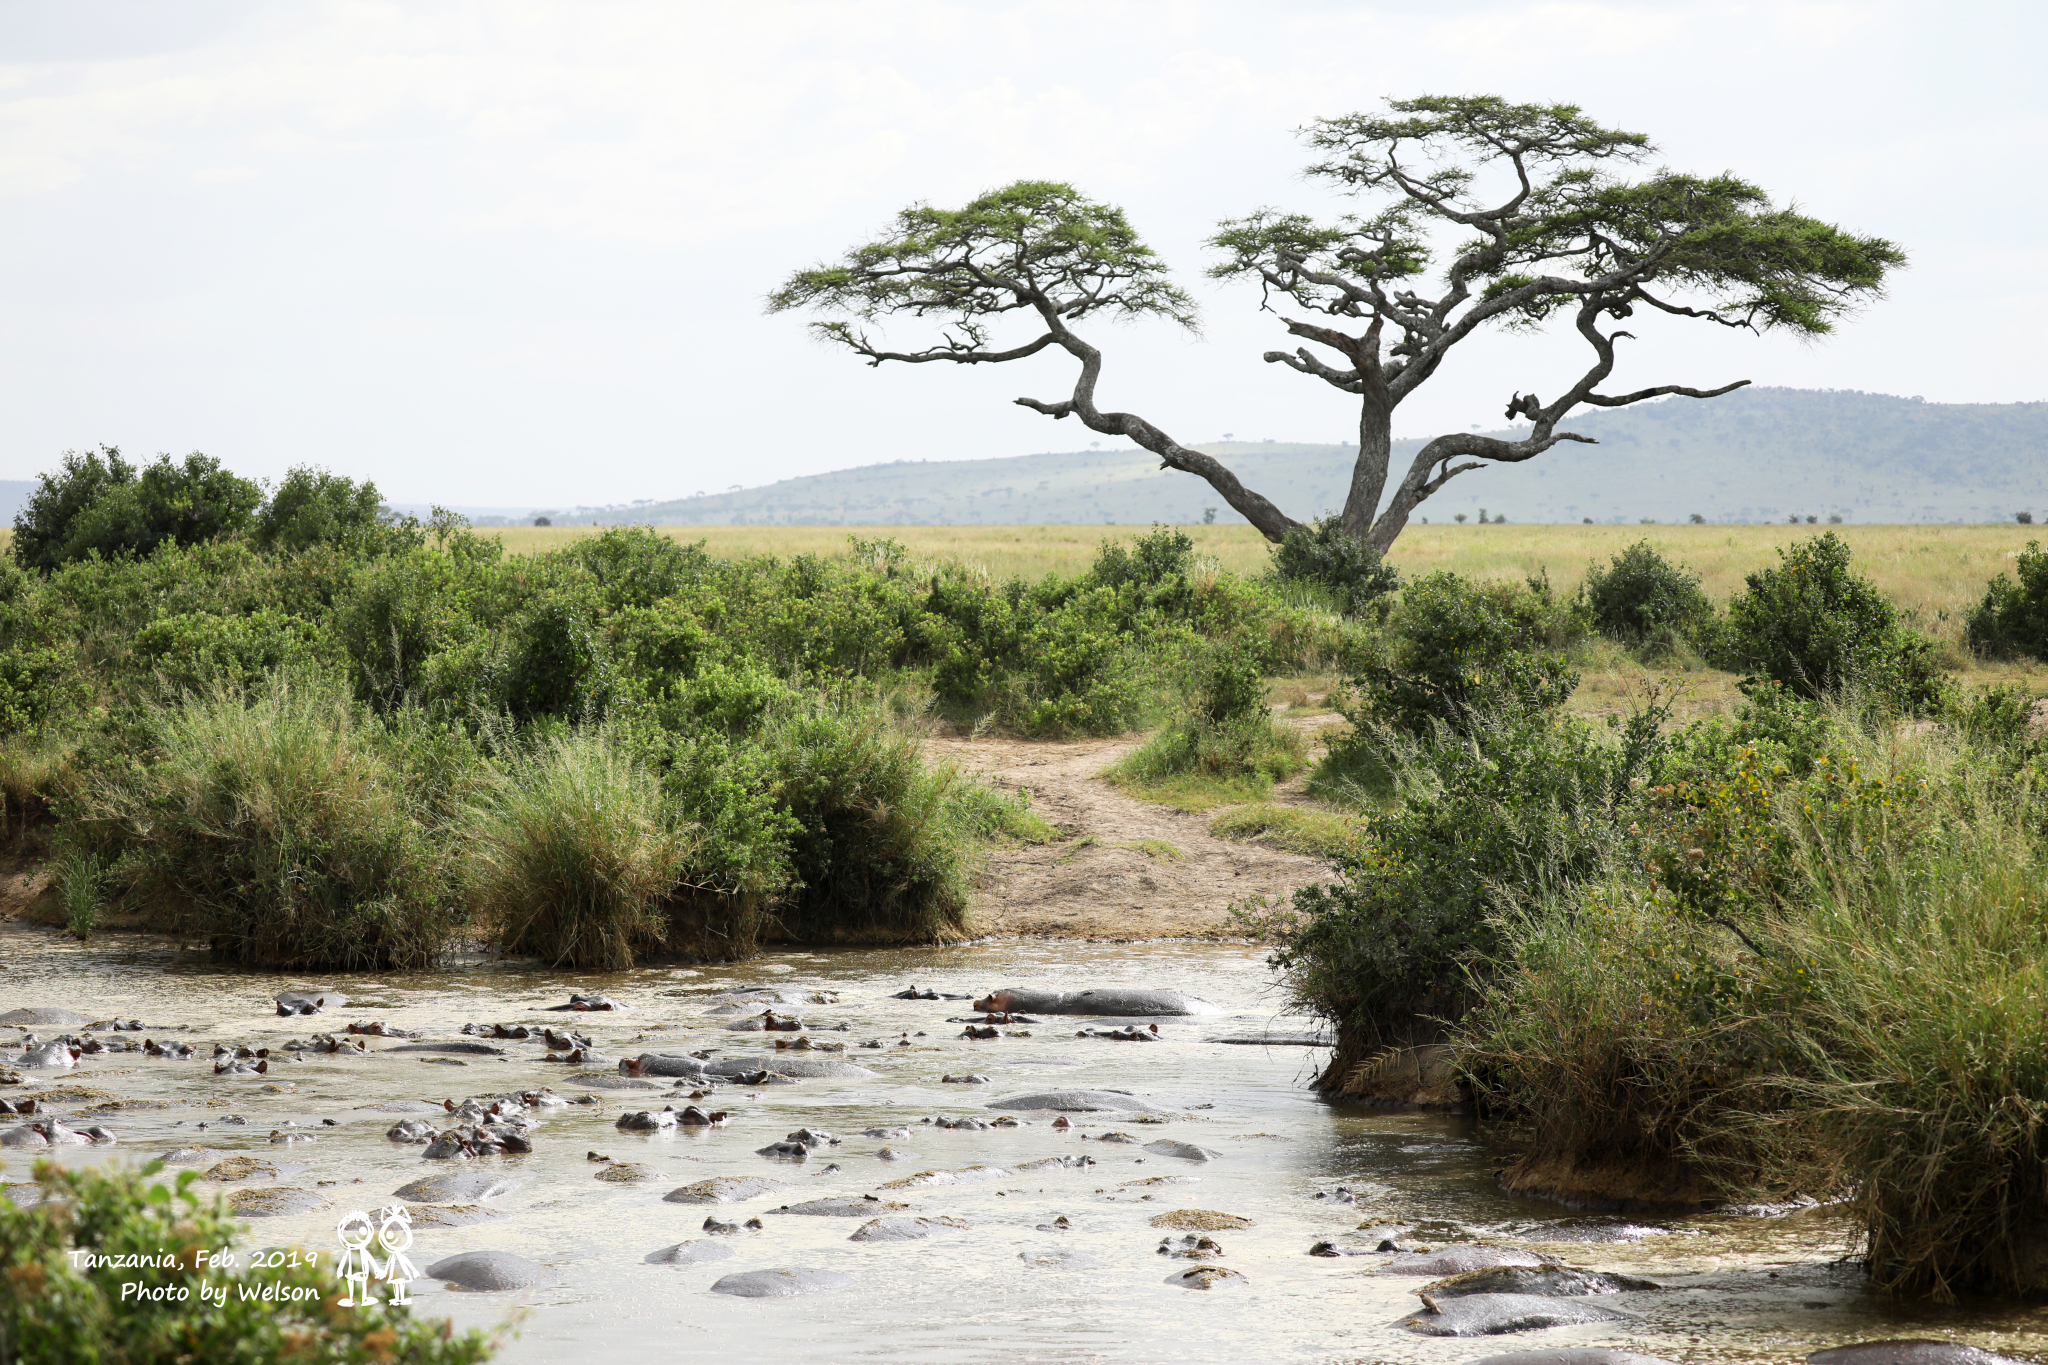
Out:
{"x": 1108, "y": 1000}
{"x": 662, "y": 1064}
{"x": 1486, "y": 1315}
{"x": 309, "y": 1002}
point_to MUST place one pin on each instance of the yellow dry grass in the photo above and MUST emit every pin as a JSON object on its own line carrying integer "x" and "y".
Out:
{"x": 1927, "y": 569}
{"x": 1032, "y": 551}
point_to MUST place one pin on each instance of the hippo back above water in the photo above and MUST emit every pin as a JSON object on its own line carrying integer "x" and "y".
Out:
{"x": 1107, "y": 1000}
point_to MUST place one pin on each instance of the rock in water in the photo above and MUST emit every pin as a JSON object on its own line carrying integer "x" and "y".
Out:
{"x": 1077, "y": 1102}
{"x": 1909, "y": 1351}
{"x": 690, "y": 1253}
{"x": 905, "y": 1229}
{"x": 467, "y": 1049}
{"x": 1186, "y": 1151}
{"x": 1206, "y": 1277}
{"x": 1486, "y": 1315}
{"x": 309, "y": 1002}
{"x": 1111, "y": 1001}
{"x": 455, "y": 1187}
{"x": 780, "y": 1284}
{"x": 491, "y": 1272}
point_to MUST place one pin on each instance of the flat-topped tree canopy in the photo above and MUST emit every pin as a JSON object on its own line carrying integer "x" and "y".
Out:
{"x": 1547, "y": 230}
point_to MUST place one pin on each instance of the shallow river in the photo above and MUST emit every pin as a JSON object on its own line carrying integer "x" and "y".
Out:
{"x": 1015, "y": 1288}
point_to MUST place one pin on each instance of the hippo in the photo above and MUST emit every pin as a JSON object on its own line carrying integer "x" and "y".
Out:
{"x": 663, "y": 1064}
{"x": 725, "y": 1189}
{"x": 787, "y": 1066}
{"x": 490, "y": 1272}
{"x": 465, "y": 1049}
{"x": 1206, "y": 1277}
{"x": 309, "y": 1002}
{"x": 777, "y": 1284}
{"x": 689, "y": 1253}
{"x": 51, "y": 1133}
{"x": 844, "y": 1206}
{"x": 1558, "y": 1281}
{"x": 276, "y": 1201}
{"x": 457, "y": 1187}
{"x": 44, "y": 1016}
{"x": 1110, "y": 1000}
{"x": 1077, "y": 1102}
{"x": 1486, "y": 1315}
{"x": 583, "y": 1003}
{"x": 1461, "y": 1260}
{"x": 57, "y": 1052}
{"x": 1908, "y": 1351}
{"x": 906, "y": 1229}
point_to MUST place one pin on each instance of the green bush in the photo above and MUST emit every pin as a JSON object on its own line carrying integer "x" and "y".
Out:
{"x": 54, "y": 1309}
{"x": 2012, "y": 620}
{"x": 572, "y": 852}
{"x": 884, "y": 847}
{"x": 313, "y": 507}
{"x": 1461, "y": 650}
{"x": 281, "y": 827}
{"x": 1225, "y": 741}
{"x": 1515, "y": 809}
{"x": 1816, "y": 627}
{"x": 98, "y": 503}
{"x": 1646, "y": 602}
{"x": 1323, "y": 552}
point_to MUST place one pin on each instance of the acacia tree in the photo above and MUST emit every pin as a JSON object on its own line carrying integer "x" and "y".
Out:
{"x": 1548, "y": 231}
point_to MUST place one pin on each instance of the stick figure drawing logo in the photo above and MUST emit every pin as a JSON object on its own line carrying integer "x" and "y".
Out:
{"x": 359, "y": 1263}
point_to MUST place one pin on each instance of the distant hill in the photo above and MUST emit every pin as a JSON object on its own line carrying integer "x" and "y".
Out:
{"x": 13, "y": 497}
{"x": 1755, "y": 455}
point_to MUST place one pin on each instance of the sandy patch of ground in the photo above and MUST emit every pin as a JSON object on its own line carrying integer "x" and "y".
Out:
{"x": 1115, "y": 875}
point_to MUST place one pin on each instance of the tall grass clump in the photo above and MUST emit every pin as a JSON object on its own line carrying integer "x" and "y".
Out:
{"x": 1630, "y": 1040}
{"x": 574, "y": 853}
{"x": 886, "y": 846}
{"x": 1923, "y": 1050}
{"x": 1224, "y": 746}
{"x": 81, "y": 881}
{"x": 278, "y": 826}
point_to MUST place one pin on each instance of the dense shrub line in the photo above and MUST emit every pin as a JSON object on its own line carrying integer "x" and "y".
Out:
{"x": 1793, "y": 949}
{"x": 285, "y": 724}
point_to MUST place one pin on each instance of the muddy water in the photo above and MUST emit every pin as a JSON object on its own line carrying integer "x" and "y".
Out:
{"x": 1011, "y": 1289}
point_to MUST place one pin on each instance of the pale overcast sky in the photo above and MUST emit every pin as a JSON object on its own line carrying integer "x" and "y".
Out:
{"x": 511, "y": 253}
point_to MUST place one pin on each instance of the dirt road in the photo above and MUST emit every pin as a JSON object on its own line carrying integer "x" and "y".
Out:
{"x": 1127, "y": 870}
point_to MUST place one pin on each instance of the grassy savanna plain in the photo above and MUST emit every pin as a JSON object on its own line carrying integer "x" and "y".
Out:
{"x": 1934, "y": 572}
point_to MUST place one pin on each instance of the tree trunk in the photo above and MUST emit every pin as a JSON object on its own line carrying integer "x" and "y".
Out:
{"x": 1369, "y": 474}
